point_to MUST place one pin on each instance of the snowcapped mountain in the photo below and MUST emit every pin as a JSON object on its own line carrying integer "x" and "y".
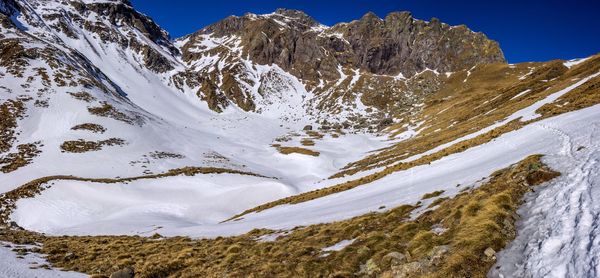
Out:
{"x": 276, "y": 122}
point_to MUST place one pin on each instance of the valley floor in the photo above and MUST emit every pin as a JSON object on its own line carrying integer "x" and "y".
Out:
{"x": 556, "y": 236}
{"x": 87, "y": 208}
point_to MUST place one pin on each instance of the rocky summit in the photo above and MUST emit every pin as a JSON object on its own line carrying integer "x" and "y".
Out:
{"x": 320, "y": 56}
{"x": 271, "y": 145}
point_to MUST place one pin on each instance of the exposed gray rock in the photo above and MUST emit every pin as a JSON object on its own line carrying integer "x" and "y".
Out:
{"x": 437, "y": 254}
{"x": 396, "y": 44}
{"x": 369, "y": 267}
{"x": 316, "y": 54}
{"x": 408, "y": 270}
{"x": 126, "y": 272}
{"x": 394, "y": 258}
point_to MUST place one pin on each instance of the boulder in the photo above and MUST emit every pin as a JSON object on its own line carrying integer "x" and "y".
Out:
{"x": 489, "y": 252}
{"x": 126, "y": 272}
{"x": 394, "y": 258}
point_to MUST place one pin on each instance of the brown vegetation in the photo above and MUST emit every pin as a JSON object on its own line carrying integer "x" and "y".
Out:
{"x": 10, "y": 112}
{"x": 24, "y": 155}
{"x": 432, "y": 194}
{"x": 459, "y": 116}
{"x": 96, "y": 128}
{"x": 307, "y": 142}
{"x": 109, "y": 111}
{"x": 453, "y": 240}
{"x": 289, "y": 150}
{"x": 81, "y": 146}
{"x": 83, "y": 96}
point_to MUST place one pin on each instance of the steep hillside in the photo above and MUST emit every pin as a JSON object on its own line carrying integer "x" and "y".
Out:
{"x": 350, "y": 69}
{"x": 391, "y": 147}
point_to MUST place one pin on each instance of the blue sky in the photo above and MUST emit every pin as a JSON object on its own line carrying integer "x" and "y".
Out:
{"x": 534, "y": 30}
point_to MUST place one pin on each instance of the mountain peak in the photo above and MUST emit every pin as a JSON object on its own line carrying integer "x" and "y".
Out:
{"x": 399, "y": 14}
{"x": 290, "y": 13}
{"x": 370, "y": 16}
{"x": 291, "y": 16}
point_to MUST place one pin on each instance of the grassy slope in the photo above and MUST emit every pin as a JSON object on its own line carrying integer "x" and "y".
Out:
{"x": 386, "y": 243}
{"x": 462, "y": 108}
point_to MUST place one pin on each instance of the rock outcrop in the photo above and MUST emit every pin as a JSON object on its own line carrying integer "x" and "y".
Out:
{"x": 379, "y": 61}
{"x": 397, "y": 44}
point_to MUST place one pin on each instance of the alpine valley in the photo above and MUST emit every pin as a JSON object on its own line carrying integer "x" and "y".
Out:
{"x": 274, "y": 146}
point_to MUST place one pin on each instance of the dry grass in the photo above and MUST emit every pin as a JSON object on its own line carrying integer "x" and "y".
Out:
{"x": 96, "y": 128}
{"x": 10, "y": 112}
{"x": 432, "y": 194}
{"x": 307, "y": 142}
{"x": 314, "y": 134}
{"x": 82, "y": 146}
{"x": 460, "y": 108}
{"x": 298, "y": 150}
{"x": 24, "y": 155}
{"x": 83, "y": 96}
{"x": 318, "y": 193}
{"x": 109, "y": 111}
{"x": 385, "y": 243}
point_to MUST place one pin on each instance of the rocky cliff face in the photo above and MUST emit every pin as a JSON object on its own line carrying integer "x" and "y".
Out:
{"x": 362, "y": 73}
{"x": 396, "y": 44}
{"x": 401, "y": 44}
{"x": 369, "y": 60}
{"x": 114, "y": 21}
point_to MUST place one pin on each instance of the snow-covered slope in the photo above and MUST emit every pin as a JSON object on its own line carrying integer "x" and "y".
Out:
{"x": 96, "y": 90}
{"x": 98, "y": 210}
{"x": 147, "y": 112}
{"x": 30, "y": 265}
{"x": 89, "y": 76}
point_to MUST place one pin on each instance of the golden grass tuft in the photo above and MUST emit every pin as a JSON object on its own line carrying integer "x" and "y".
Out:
{"x": 96, "y": 128}
{"x": 83, "y": 96}
{"x": 298, "y": 150}
{"x": 432, "y": 194}
{"x": 81, "y": 146}
{"x": 109, "y": 111}
{"x": 24, "y": 155}
{"x": 10, "y": 112}
{"x": 307, "y": 142}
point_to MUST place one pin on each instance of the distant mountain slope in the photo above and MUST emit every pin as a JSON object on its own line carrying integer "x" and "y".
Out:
{"x": 374, "y": 147}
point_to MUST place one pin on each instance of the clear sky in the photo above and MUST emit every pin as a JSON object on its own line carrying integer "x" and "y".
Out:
{"x": 527, "y": 30}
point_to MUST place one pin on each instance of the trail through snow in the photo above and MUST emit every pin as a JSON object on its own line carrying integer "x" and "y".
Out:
{"x": 559, "y": 226}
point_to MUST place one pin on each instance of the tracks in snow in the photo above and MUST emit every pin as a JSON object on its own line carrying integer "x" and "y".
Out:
{"x": 559, "y": 226}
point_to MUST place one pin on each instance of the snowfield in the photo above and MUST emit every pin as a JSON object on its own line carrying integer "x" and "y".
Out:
{"x": 173, "y": 127}
{"x": 149, "y": 208}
